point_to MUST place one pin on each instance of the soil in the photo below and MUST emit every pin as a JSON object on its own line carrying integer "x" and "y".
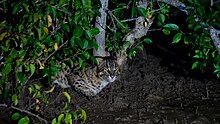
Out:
{"x": 151, "y": 90}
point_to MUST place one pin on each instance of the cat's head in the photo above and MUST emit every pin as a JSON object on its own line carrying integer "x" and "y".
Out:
{"x": 110, "y": 70}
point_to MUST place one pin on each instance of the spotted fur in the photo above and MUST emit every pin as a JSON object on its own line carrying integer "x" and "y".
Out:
{"x": 91, "y": 81}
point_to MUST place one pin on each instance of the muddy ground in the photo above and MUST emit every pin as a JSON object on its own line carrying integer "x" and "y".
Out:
{"x": 151, "y": 90}
{"x": 147, "y": 93}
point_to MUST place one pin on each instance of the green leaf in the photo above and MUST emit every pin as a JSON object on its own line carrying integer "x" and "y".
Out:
{"x": 86, "y": 54}
{"x": 32, "y": 68}
{"x": 142, "y": 11}
{"x": 21, "y": 77}
{"x": 196, "y": 56}
{"x": 72, "y": 42}
{"x": 177, "y": 37}
{"x": 198, "y": 26}
{"x": 26, "y": 7}
{"x": 77, "y": 15}
{"x": 121, "y": 5}
{"x": 83, "y": 112}
{"x": 171, "y": 27}
{"x": 37, "y": 86}
{"x": 58, "y": 37}
{"x": 148, "y": 41}
{"x": 86, "y": 3}
{"x": 55, "y": 69}
{"x": 54, "y": 11}
{"x": 80, "y": 62}
{"x": 218, "y": 74}
{"x": 20, "y": 28}
{"x": 60, "y": 117}
{"x": 71, "y": 63}
{"x": 7, "y": 69}
{"x": 140, "y": 47}
{"x": 120, "y": 25}
{"x": 165, "y": 31}
{"x": 30, "y": 89}
{"x": 94, "y": 44}
{"x": 75, "y": 115}
{"x": 65, "y": 27}
{"x": 61, "y": 2}
{"x": 131, "y": 53}
{"x": 190, "y": 1}
{"x": 54, "y": 121}
{"x": 6, "y": 93}
{"x": 86, "y": 43}
{"x": 36, "y": 17}
{"x": 125, "y": 44}
{"x": 16, "y": 9}
{"x": 201, "y": 10}
{"x": 2, "y": 24}
{"x": 68, "y": 118}
{"x": 3, "y": 35}
{"x": 24, "y": 120}
{"x": 94, "y": 60}
{"x": 195, "y": 65}
{"x": 67, "y": 96}
{"x": 15, "y": 116}
{"x": 88, "y": 34}
{"x": 78, "y": 31}
{"x": 15, "y": 99}
{"x": 94, "y": 31}
{"x": 186, "y": 41}
{"x": 161, "y": 17}
{"x": 132, "y": 11}
{"x": 39, "y": 31}
{"x": 24, "y": 40}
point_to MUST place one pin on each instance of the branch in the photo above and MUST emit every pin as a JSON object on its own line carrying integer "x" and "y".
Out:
{"x": 3, "y": 1}
{"x": 215, "y": 35}
{"x": 55, "y": 51}
{"x": 101, "y": 25}
{"x": 138, "y": 31}
{"x": 175, "y": 3}
{"x": 25, "y": 111}
{"x": 55, "y": 7}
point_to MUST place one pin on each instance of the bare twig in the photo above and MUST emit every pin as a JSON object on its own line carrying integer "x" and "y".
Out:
{"x": 125, "y": 7}
{"x": 160, "y": 7}
{"x": 25, "y": 111}
{"x": 55, "y": 51}
{"x": 176, "y": 3}
{"x": 159, "y": 29}
{"x": 128, "y": 20}
{"x": 112, "y": 16}
{"x": 3, "y": 1}
{"x": 61, "y": 10}
{"x": 216, "y": 2}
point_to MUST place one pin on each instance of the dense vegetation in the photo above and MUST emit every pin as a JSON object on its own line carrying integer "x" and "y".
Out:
{"x": 34, "y": 35}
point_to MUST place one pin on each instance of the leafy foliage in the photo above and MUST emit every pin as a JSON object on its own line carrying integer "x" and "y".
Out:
{"x": 201, "y": 17}
{"x": 35, "y": 34}
{"x": 68, "y": 117}
{"x": 196, "y": 35}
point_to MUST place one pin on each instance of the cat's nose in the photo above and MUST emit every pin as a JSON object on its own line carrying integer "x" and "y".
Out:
{"x": 111, "y": 78}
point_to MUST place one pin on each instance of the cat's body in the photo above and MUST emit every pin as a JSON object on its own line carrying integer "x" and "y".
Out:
{"x": 91, "y": 81}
